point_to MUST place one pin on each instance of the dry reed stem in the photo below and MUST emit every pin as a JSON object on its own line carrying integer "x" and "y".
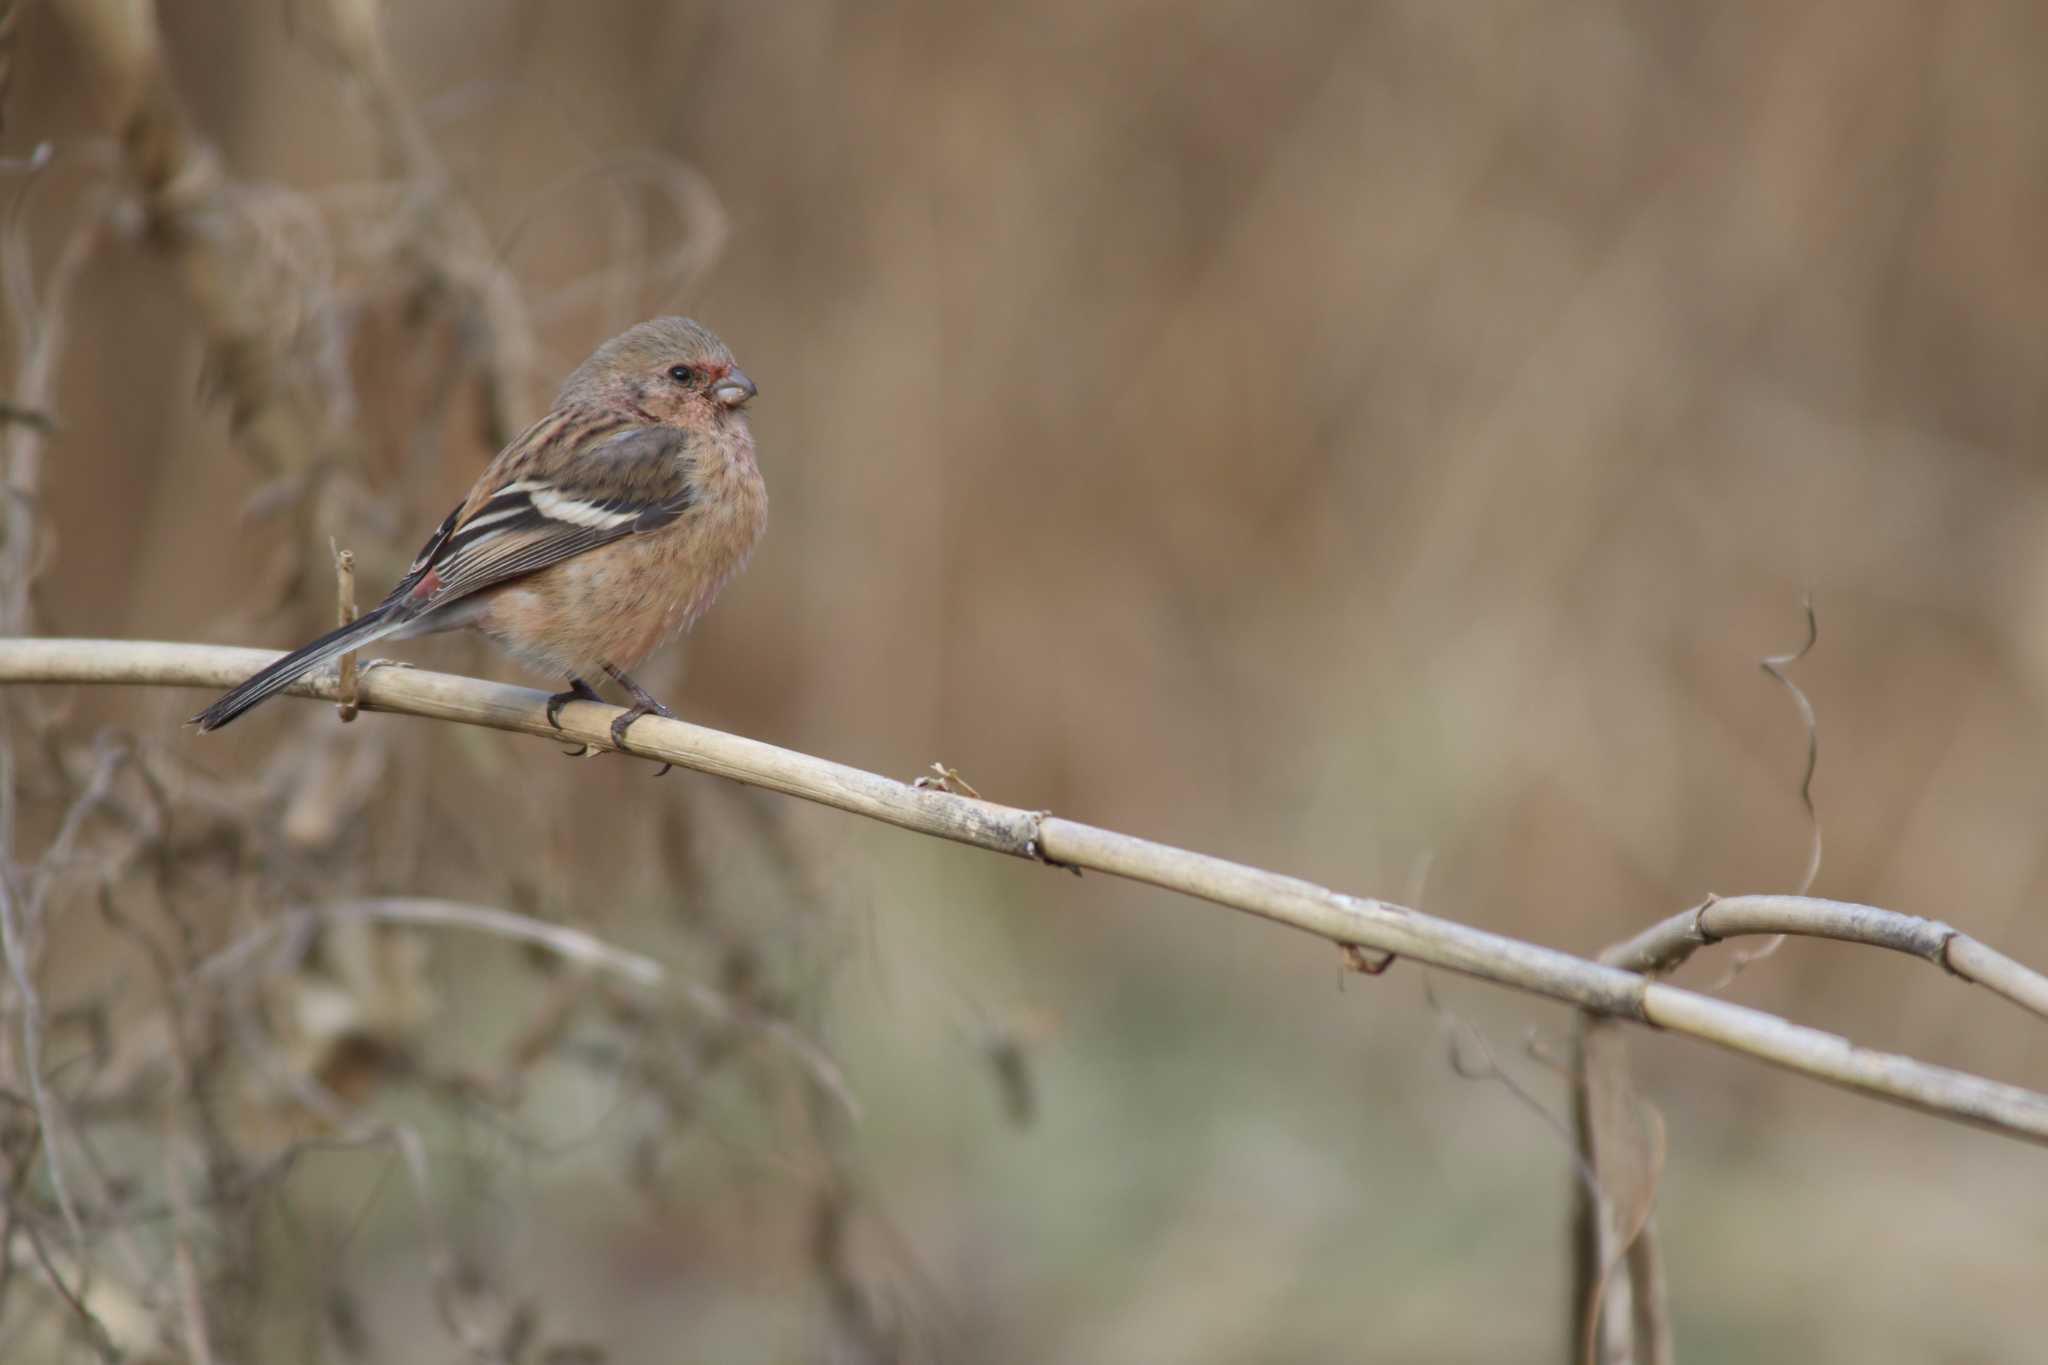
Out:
{"x": 1621, "y": 1311}
{"x": 345, "y": 614}
{"x": 1345, "y": 920}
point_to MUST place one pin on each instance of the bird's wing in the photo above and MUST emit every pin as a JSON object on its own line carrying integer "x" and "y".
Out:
{"x": 623, "y": 483}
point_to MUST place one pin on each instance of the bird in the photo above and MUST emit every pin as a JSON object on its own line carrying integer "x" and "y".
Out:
{"x": 600, "y": 533}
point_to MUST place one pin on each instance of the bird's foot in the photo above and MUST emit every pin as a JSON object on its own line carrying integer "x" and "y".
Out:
{"x": 579, "y": 690}
{"x": 644, "y": 704}
{"x": 624, "y": 721}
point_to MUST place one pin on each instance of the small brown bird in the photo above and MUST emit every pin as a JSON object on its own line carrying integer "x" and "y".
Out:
{"x": 602, "y": 532}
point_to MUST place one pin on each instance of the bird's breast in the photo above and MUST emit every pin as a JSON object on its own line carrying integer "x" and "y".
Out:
{"x": 729, "y": 513}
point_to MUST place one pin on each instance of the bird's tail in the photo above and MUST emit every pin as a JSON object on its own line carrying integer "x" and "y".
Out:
{"x": 301, "y": 661}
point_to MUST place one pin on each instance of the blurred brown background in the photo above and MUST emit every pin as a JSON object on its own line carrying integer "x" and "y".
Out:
{"x": 1371, "y": 441}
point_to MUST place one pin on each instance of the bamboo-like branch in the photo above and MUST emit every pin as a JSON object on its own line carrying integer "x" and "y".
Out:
{"x": 1346, "y": 920}
{"x": 1669, "y": 942}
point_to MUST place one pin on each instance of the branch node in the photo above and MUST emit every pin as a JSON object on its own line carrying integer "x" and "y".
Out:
{"x": 1700, "y": 930}
{"x": 1034, "y": 846}
{"x": 1949, "y": 935}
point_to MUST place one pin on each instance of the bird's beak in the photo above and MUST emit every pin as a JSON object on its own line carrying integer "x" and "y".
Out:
{"x": 735, "y": 389}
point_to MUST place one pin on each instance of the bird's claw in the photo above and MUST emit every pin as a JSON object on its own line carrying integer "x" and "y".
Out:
{"x": 579, "y": 690}
{"x": 624, "y": 721}
{"x": 643, "y": 705}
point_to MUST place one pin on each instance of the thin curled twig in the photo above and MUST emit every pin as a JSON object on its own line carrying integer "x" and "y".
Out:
{"x": 1775, "y": 665}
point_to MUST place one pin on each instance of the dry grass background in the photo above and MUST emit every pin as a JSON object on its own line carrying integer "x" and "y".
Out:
{"x": 1373, "y": 441}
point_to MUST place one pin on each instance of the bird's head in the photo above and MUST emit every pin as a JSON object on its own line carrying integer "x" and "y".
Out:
{"x": 668, "y": 370}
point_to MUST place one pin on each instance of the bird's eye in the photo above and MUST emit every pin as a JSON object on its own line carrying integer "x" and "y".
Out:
{"x": 682, "y": 374}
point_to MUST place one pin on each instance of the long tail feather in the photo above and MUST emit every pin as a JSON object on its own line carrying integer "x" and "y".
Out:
{"x": 297, "y": 664}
